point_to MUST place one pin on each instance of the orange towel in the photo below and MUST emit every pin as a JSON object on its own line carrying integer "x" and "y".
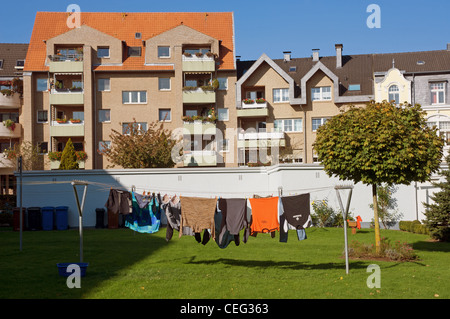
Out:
{"x": 264, "y": 215}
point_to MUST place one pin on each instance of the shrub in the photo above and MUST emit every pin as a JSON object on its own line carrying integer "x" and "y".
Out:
{"x": 68, "y": 157}
{"x": 323, "y": 215}
{"x": 398, "y": 251}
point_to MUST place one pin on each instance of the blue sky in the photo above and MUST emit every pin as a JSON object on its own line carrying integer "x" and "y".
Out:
{"x": 272, "y": 27}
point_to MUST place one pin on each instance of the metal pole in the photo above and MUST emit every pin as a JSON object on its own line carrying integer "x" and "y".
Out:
{"x": 20, "y": 200}
{"x": 80, "y": 213}
{"x": 344, "y": 216}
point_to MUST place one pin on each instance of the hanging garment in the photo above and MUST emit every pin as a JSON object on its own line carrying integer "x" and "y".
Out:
{"x": 294, "y": 212}
{"x": 119, "y": 202}
{"x": 230, "y": 219}
{"x": 172, "y": 210}
{"x": 264, "y": 216}
{"x": 146, "y": 215}
{"x": 198, "y": 213}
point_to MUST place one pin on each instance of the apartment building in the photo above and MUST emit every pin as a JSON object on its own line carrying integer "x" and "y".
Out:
{"x": 12, "y": 57}
{"x": 284, "y": 101}
{"x": 116, "y": 68}
{"x": 420, "y": 77}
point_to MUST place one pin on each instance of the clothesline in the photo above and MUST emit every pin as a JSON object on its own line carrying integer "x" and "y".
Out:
{"x": 142, "y": 188}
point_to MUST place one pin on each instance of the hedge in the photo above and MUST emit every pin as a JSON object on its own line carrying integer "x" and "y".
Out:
{"x": 413, "y": 226}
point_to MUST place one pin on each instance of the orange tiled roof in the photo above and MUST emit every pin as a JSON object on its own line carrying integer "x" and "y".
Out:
{"x": 47, "y": 25}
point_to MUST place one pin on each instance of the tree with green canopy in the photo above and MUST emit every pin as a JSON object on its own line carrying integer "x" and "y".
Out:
{"x": 68, "y": 157}
{"x": 438, "y": 212}
{"x": 379, "y": 143}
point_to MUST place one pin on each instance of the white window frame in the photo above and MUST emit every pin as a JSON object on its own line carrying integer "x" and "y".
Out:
{"x": 37, "y": 117}
{"x": 288, "y": 123}
{"x": 104, "y": 110}
{"x": 139, "y": 125}
{"x": 105, "y": 80}
{"x": 321, "y": 93}
{"x": 39, "y": 147}
{"x": 283, "y": 95}
{"x": 223, "y": 114}
{"x": 322, "y": 122}
{"x": 37, "y": 85}
{"x": 159, "y": 84}
{"x": 139, "y": 97}
{"x": 108, "y": 143}
{"x": 394, "y": 93}
{"x": 170, "y": 115}
{"x": 225, "y": 146}
{"x": 163, "y": 56}
{"x": 223, "y": 84}
{"x": 434, "y": 89}
{"x": 103, "y": 48}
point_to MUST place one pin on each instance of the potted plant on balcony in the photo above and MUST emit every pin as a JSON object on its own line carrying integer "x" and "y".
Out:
{"x": 248, "y": 101}
{"x": 198, "y": 54}
{"x": 54, "y": 156}
{"x": 187, "y": 54}
{"x": 9, "y": 124}
{"x": 81, "y": 156}
{"x": 260, "y": 100}
{"x": 75, "y": 121}
{"x": 61, "y": 121}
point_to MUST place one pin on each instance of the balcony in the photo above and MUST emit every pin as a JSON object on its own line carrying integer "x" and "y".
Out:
{"x": 250, "y": 108}
{"x": 261, "y": 139}
{"x": 9, "y": 102}
{"x": 55, "y": 164}
{"x": 7, "y": 163}
{"x": 195, "y": 63}
{"x": 72, "y": 63}
{"x": 198, "y": 96}
{"x": 67, "y": 97}
{"x": 199, "y": 128}
{"x": 9, "y": 132}
{"x": 66, "y": 129}
{"x": 200, "y": 158}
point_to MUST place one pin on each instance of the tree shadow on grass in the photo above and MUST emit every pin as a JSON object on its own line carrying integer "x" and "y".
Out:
{"x": 431, "y": 246}
{"x": 293, "y": 265}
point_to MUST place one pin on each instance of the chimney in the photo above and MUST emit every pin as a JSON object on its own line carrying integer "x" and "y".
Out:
{"x": 448, "y": 46}
{"x": 287, "y": 56}
{"x": 339, "y": 48}
{"x": 316, "y": 55}
{"x": 238, "y": 58}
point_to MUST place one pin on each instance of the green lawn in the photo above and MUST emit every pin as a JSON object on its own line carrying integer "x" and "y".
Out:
{"x": 125, "y": 264}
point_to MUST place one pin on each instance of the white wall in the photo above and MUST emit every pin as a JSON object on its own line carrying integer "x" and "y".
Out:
{"x": 53, "y": 188}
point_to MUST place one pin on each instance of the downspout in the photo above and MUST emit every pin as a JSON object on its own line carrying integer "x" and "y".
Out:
{"x": 94, "y": 153}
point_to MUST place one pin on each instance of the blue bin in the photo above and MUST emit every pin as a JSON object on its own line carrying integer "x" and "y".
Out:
{"x": 61, "y": 217}
{"x": 47, "y": 218}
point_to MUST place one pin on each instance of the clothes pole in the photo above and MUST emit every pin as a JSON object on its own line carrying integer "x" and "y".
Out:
{"x": 80, "y": 212}
{"x": 344, "y": 216}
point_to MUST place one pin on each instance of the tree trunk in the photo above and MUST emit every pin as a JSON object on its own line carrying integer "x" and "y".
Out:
{"x": 375, "y": 217}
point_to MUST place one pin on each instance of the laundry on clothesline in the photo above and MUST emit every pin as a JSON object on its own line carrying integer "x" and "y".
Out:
{"x": 222, "y": 219}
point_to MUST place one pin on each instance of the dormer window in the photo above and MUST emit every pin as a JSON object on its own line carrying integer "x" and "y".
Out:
{"x": 138, "y": 35}
{"x": 1, "y": 64}
{"x": 20, "y": 64}
{"x": 103, "y": 52}
{"x": 134, "y": 51}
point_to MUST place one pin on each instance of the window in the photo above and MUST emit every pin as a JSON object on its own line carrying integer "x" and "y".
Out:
{"x": 138, "y": 125}
{"x": 41, "y": 85}
{"x": 1, "y": 64}
{"x": 280, "y": 95}
{"x": 104, "y": 145}
{"x": 222, "y": 114}
{"x": 354, "y": 87}
{"x": 164, "y": 84}
{"x": 138, "y": 35}
{"x": 322, "y": 93}
{"x": 134, "y": 97}
{"x": 288, "y": 125}
{"x": 164, "y": 52}
{"x": 292, "y": 69}
{"x": 104, "y": 116}
{"x": 14, "y": 116}
{"x": 191, "y": 83}
{"x": 77, "y": 84}
{"x": 103, "y": 52}
{"x": 164, "y": 115}
{"x": 43, "y": 147}
{"x": 42, "y": 116}
{"x": 224, "y": 146}
{"x": 318, "y": 122}
{"x": 78, "y": 115}
{"x": 191, "y": 112}
{"x": 78, "y": 146}
{"x": 223, "y": 83}
{"x": 104, "y": 85}
{"x": 437, "y": 93}
{"x": 20, "y": 64}
{"x": 134, "y": 51}
{"x": 394, "y": 94}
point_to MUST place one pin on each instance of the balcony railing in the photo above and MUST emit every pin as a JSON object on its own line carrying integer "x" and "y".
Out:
{"x": 67, "y": 129}
{"x": 67, "y": 96}
{"x": 11, "y": 101}
{"x": 10, "y": 132}
{"x": 66, "y": 63}
{"x": 261, "y": 139}
{"x": 194, "y": 63}
{"x": 198, "y": 95}
{"x": 66, "y": 57}
{"x": 252, "y": 104}
{"x": 261, "y": 135}
{"x": 200, "y": 158}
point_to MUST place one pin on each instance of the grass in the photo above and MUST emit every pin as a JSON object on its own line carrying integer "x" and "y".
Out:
{"x": 124, "y": 264}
